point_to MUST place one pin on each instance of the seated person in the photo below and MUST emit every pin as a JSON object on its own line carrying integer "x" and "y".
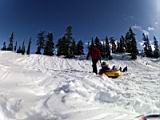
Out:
{"x": 105, "y": 67}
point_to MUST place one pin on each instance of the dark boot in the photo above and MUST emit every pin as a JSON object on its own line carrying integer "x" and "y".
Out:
{"x": 120, "y": 69}
{"x": 125, "y": 69}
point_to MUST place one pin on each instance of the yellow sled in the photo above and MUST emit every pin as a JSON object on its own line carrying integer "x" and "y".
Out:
{"x": 113, "y": 73}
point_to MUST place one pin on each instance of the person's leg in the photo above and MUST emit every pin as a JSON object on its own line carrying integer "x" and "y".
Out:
{"x": 120, "y": 69}
{"x": 94, "y": 65}
{"x": 124, "y": 69}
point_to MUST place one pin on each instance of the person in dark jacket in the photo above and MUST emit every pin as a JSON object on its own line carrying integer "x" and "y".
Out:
{"x": 95, "y": 54}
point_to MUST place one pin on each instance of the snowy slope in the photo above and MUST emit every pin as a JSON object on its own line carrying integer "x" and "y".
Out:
{"x": 51, "y": 88}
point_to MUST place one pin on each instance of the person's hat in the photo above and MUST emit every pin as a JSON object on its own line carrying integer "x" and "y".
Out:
{"x": 103, "y": 63}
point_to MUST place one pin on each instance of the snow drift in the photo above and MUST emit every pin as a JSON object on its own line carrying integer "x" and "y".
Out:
{"x": 38, "y": 87}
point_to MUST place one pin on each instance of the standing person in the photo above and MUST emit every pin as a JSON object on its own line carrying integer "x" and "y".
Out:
{"x": 95, "y": 54}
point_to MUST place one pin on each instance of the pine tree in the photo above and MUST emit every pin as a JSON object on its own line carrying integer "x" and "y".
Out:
{"x": 40, "y": 42}
{"x": 59, "y": 47}
{"x": 62, "y": 47}
{"x": 49, "y": 47}
{"x": 156, "y": 51}
{"x": 147, "y": 46}
{"x": 112, "y": 41}
{"x": 134, "y": 50}
{"x": 15, "y": 47}
{"x": 10, "y": 45}
{"x": 103, "y": 50}
{"x": 80, "y": 48}
{"x": 88, "y": 46}
{"x": 107, "y": 49}
{"x": 73, "y": 48}
{"x": 68, "y": 33}
{"x": 99, "y": 45}
{"x": 19, "y": 50}
{"x": 150, "y": 51}
{"x": 69, "y": 41}
{"x": 64, "y": 44}
{"x": 4, "y": 46}
{"x": 92, "y": 43}
{"x": 23, "y": 48}
{"x": 122, "y": 45}
{"x": 29, "y": 47}
{"x": 128, "y": 40}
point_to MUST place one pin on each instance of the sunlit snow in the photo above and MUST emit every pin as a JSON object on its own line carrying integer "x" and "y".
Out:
{"x": 38, "y": 87}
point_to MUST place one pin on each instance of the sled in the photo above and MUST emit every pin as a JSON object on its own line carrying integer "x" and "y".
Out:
{"x": 113, "y": 73}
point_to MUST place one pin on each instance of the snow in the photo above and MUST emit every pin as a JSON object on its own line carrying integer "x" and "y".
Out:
{"x": 38, "y": 87}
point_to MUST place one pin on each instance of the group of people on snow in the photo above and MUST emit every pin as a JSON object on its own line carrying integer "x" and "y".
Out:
{"x": 95, "y": 54}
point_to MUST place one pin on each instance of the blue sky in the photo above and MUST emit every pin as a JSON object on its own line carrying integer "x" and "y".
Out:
{"x": 89, "y": 18}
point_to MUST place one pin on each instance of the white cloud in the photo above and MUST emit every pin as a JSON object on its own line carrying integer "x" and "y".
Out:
{"x": 156, "y": 23}
{"x": 136, "y": 27}
{"x": 151, "y": 28}
{"x": 139, "y": 28}
{"x": 141, "y": 43}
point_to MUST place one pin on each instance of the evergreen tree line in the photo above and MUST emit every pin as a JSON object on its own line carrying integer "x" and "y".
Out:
{"x": 68, "y": 47}
{"x": 11, "y": 47}
{"x": 148, "y": 51}
{"x": 126, "y": 44}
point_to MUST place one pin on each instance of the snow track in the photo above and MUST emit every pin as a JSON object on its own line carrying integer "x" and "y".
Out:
{"x": 52, "y": 88}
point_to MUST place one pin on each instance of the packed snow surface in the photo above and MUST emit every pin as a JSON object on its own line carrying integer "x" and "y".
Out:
{"x": 38, "y": 87}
